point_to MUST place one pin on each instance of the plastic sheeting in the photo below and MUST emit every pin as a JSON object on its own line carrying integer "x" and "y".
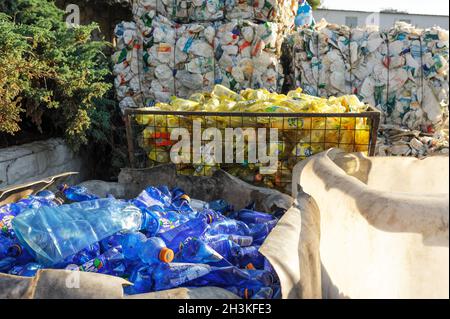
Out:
{"x": 186, "y": 11}
{"x": 383, "y": 224}
{"x": 402, "y": 71}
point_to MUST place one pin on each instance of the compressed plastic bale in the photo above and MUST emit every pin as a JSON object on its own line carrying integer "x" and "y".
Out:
{"x": 369, "y": 76}
{"x": 186, "y": 11}
{"x": 247, "y": 55}
{"x": 402, "y": 71}
{"x": 126, "y": 65}
{"x": 435, "y": 50}
{"x": 194, "y": 59}
{"x": 405, "y": 77}
{"x": 159, "y": 60}
{"x": 282, "y": 11}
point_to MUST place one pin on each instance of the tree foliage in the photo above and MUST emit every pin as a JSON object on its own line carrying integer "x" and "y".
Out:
{"x": 314, "y": 4}
{"x": 50, "y": 71}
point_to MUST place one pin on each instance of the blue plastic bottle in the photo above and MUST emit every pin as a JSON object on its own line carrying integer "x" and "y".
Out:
{"x": 230, "y": 227}
{"x": 111, "y": 242}
{"x": 152, "y": 196}
{"x": 253, "y": 217}
{"x": 250, "y": 256}
{"x": 131, "y": 244}
{"x": 10, "y": 247}
{"x": 181, "y": 201}
{"x": 6, "y": 245}
{"x": 177, "y": 237}
{"x": 29, "y": 270}
{"x": 220, "y": 206}
{"x": 54, "y": 233}
{"x": 264, "y": 293}
{"x": 165, "y": 219}
{"x": 77, "y": 193}
{"x": 81, "y": 257}
{"x": 141, "y": 278}
{"x": 167, "y": 276}
{"x": 223, "y": 277}
{"x": 111, "y": 263}
{"x": 259, "y": 232}
{"x": 154, "y": 250}
{"x": 196, "y": 251}
{"x": 262, "y": 276}
{"x": 6, "y": 264}
{"x": 226, "y": 248}
{"x": 49, "y": 195}
{"x": 247, "y": 291}
{"x": 243, "y": 241}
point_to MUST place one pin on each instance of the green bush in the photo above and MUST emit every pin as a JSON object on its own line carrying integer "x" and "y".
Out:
{"x": 51, "y": 72}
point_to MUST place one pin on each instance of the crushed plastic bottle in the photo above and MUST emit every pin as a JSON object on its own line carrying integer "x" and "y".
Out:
{"x": 177, "y": 237}
{"x": 77, "y": 193}
{"x": 72, "y": 228}
{"x": 29, "y": 270}
{"x": 139, "y": 239}
{"x": 111, "y": 262}
{"x": 167, "y": 276}
{"x": 259, "y": 232}
{"x": 253, "y": 217}
{"x": 229, "y": 226}
{"x": 197, "y": 251}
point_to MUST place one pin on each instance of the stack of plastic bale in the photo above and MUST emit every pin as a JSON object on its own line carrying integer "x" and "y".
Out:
{"x": 188, "y": 46}
{"x": 402, "y": 71}
{"x": 247, "y": 55}
{"x": 126, "y": 65}
{"x": 369, "y": 76}
{"x": 320, "y": 59}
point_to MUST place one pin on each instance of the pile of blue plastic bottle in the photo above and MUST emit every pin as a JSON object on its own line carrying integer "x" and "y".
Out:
{"x": 159, "y": 240}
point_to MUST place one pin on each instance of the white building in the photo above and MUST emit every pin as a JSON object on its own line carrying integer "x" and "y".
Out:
{"x": 384, "y": 19}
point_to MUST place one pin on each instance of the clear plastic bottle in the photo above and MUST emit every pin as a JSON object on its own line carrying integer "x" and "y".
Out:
{"x": 230, "y": 227}
{"x": 54, "y": 233}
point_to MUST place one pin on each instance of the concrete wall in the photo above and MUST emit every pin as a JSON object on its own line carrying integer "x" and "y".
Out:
{"x": 33, "y": 161}
{"x": 386, "y": 20}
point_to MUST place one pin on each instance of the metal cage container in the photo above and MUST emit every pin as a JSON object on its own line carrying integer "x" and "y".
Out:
{"x": 299, "y": 135}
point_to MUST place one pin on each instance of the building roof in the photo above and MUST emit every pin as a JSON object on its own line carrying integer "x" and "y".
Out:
{"x": 383, "y": 12}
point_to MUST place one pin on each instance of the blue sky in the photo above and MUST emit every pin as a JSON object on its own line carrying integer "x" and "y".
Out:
{"x": 440, "y": 7}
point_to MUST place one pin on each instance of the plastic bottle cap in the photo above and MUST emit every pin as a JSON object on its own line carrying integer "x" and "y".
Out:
{"x": 258, "y": 177}
{"x": 186, "y": 197}
{"x": 166, "y": 255}
{"x": 250, "y": 267}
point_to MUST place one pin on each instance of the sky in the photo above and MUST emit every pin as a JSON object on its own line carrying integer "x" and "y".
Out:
{"x": 439, "y": 7}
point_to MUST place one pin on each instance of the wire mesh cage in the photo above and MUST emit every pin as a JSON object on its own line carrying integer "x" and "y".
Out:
{"x": 259, "y": 148}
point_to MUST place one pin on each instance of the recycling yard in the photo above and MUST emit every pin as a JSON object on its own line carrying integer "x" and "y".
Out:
{"x": 221, "y": 149}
